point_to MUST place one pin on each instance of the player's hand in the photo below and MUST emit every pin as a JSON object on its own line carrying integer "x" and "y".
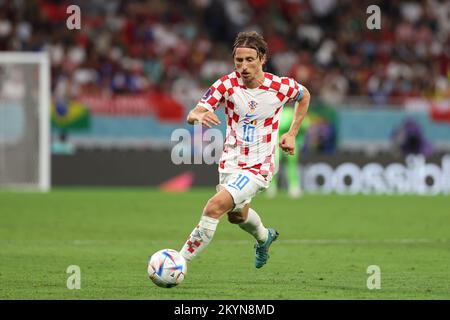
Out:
{"x": 208, "y": 118}
{"x": 287, "y": 143}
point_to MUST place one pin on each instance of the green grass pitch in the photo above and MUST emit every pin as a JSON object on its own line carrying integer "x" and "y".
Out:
{"x": 326, "y": 244}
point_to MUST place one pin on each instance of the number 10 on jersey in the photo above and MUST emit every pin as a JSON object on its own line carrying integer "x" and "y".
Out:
{"x": 249, "y": 132}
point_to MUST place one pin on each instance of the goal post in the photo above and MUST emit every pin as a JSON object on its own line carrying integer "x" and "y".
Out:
{"x": 25, "y": 120}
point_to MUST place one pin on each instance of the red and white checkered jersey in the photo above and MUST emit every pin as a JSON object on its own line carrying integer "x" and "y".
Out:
{"x": 252, "y": 121}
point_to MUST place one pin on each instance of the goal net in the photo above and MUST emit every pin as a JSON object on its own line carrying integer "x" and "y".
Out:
{"x": 24, "y": 120}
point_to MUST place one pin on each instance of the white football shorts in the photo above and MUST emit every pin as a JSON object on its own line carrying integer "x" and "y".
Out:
{"x": 242, "y": 186}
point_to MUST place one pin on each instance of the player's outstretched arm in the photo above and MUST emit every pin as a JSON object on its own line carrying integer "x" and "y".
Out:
{"x": 287, "y": 141}
{"x": 202, "y": 115}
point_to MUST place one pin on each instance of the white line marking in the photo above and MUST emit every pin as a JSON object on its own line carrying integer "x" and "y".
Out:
{"x": 82, "y": 242}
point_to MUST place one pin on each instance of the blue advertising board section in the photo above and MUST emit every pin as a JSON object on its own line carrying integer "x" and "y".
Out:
{"x": 366, "y": 127}
{"x": 356, "y": 129}
{"x": 128, "y": 131}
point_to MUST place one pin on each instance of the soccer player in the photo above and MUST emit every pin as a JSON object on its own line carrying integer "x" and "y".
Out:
{"x": 253, "y": 100}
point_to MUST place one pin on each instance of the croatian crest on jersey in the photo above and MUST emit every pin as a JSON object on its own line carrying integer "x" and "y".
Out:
{"x": 252, "y": 104}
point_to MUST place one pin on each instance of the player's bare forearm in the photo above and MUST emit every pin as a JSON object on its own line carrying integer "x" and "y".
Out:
{"x": 202, "y": 115}
{"x": 301, "y": 108}
{"x": 287, "y": 142}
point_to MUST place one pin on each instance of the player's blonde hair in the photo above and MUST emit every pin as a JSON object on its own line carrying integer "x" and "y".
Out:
{"x": 252, "y": 40}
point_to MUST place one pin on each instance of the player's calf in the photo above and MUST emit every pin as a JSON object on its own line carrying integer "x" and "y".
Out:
{"x": 235, "y": 218}
{"x": 238, "y": 216}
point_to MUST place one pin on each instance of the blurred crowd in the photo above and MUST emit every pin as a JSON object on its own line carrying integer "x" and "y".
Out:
{"x": 181, "y": 47}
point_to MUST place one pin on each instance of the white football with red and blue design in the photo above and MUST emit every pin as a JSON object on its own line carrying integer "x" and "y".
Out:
{"x": 167, "y": 268}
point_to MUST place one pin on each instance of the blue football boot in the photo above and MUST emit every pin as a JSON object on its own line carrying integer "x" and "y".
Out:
{"x": 262, "y": 249}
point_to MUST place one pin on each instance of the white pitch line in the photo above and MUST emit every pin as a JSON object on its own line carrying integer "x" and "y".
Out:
{"x": 291, "y": 241}
{"x": 241, "y": 242}
{"x": 345, "y": 241}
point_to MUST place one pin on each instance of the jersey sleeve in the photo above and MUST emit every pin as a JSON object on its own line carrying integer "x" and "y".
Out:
{"x": 295, "y": 92}
{"x": 213, "y": 96}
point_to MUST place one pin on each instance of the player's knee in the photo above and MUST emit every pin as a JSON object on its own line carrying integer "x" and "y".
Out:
{"x": 215, "y": 208}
